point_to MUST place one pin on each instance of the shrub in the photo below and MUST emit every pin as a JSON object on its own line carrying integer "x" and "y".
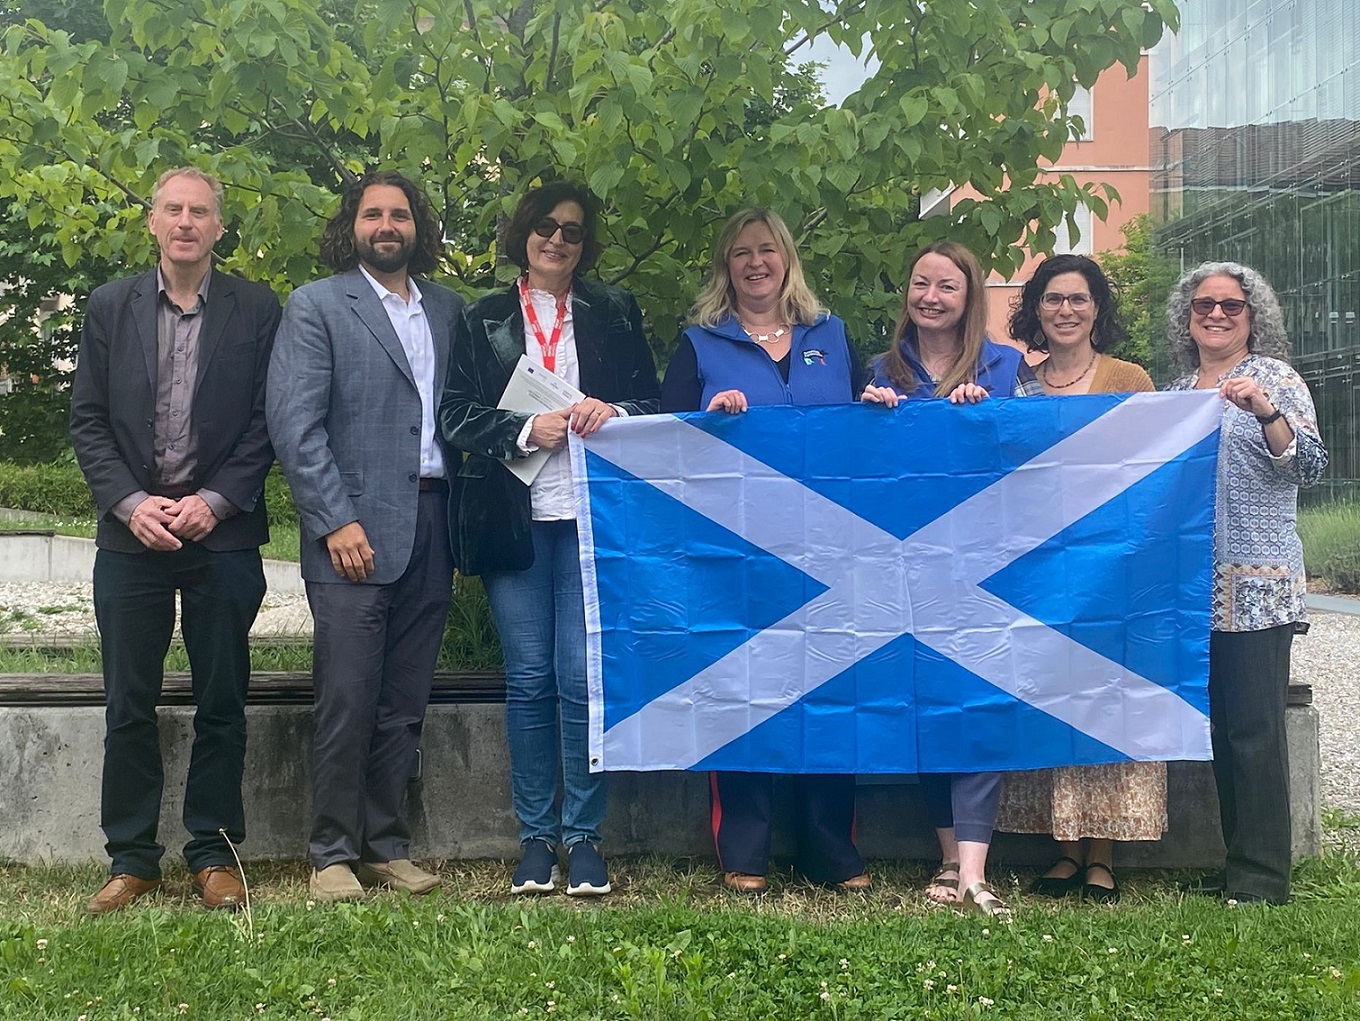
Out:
{"x": 1331, "y": 543}
{"x": 55, "y": 487}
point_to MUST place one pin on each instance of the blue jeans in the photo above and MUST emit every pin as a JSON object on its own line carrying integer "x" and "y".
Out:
{"x": 540, "y": 614}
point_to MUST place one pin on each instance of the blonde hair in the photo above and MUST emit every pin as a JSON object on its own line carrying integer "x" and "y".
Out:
{"x": 973, "y": 325}
{"x": 717, "y": 299}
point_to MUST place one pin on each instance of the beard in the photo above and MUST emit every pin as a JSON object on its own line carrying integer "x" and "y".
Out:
{"x": 387, "y": 260}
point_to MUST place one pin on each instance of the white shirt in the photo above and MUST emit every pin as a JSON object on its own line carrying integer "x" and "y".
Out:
{"x": 413, "y": 330}
{"x": 551, "y": 497}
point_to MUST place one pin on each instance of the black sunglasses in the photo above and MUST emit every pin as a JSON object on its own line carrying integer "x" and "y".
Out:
{"x": 572, "y": 233}
{"x": 1230, "y": 306}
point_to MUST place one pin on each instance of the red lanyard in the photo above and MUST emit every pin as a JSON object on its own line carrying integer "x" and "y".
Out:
{"x": 547, "y": 346}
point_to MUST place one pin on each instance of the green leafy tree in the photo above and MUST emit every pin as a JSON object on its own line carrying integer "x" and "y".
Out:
{"x": 1143, "y": 277}
{"x": 676, "y": 113}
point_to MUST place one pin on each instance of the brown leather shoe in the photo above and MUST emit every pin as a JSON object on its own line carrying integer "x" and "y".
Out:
{"x": 740, "y": 882}
{"x": 856, "y": 884}
{"x": 220, "y": 886}
{"x": 120, "y": 891}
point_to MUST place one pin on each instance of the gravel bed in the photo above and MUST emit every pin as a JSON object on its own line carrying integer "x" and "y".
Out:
{"x": 67, "y": 608}
{"x": 1328, "y": 658}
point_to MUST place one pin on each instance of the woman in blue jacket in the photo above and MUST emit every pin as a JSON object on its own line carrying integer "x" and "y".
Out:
{"x": 760, "y": 337}
{"x": 941, "y": 350}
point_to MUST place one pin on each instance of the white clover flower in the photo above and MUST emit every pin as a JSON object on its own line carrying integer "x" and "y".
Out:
{"x": 1335, "y": 972}
{"x": 986, "y": 932}
{"x": 985, "y": 1001}
{"x": 1048, "y": 938}
{"x": 783, "y": 957}
{"x": 1111, "y": 950}
{"x": 330, "y": 982}
{"x": 951, "y": 988}
{"x": 42, "y": 944}
{"x": 438, "y": 918}
{"x": 929, "y": 983}
{"x": 550, "y": 985}
{"x": 731, "y": 974}
{"x": 183, "y": 1007}
{"x": 825, "y": 995}
{"x": 571, "y": 939}
{"x": 1232, "y": 902}
{"x": 844, "y": 964}
{"x": 533, "y": 944}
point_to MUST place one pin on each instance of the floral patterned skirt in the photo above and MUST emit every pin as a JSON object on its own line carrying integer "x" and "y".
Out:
{"x": 1119, "y": 801}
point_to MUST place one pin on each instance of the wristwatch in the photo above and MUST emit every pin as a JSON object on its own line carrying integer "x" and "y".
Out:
{"x": 1267, "y": 419}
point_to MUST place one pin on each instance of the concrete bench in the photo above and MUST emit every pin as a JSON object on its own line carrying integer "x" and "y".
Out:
{"x": 52, "y": 730}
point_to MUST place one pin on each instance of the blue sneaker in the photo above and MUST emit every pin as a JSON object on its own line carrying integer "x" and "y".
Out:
{"x": 537, "y": 872}
{"x": 586, "y": 875}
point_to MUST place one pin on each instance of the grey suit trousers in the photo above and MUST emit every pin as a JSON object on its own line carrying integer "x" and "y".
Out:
{"x": 375, "y": 652}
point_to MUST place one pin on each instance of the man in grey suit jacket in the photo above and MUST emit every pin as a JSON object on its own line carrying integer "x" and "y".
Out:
{"x": 354, "y": 384}
{"x": 167, "y": 422}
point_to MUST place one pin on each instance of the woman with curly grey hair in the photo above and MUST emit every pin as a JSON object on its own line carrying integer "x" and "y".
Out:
{"x": 1226, "y": 330}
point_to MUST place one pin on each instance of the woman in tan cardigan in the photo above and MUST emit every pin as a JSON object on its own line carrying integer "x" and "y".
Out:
{"x": 1068, "y": 310}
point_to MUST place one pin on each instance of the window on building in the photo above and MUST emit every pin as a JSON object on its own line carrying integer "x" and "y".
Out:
{"x": 1064, "y": 245}
{"x": 1081, "y": 106}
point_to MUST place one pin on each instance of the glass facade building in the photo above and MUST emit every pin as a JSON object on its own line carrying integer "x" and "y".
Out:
{"x": 1254, "y": 109}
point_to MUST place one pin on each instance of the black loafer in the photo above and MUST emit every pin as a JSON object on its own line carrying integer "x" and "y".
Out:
{"x": 1212, "y": 885}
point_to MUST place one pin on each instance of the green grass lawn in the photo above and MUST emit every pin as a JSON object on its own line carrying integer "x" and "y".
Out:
{"x": 670, "y": 945}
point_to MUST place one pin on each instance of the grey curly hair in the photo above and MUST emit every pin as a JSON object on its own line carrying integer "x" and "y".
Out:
{"x": 1267, "y": 337}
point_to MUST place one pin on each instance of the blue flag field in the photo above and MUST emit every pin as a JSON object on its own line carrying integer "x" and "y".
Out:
{"x": 1016, "y": 584}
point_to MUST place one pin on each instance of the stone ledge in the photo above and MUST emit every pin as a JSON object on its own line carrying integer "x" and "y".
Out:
{"x": 460, "y": 806}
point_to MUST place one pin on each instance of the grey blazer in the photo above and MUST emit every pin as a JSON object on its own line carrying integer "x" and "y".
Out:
{"x": 344, "y": 416}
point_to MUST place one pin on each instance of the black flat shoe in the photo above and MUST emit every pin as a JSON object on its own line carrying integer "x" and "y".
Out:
{"x": 1100, "y": 894}
{"x": 1058, "y": 887}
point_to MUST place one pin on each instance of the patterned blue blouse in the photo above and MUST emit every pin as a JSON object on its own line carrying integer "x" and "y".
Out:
{"x": 1258, "y": 559}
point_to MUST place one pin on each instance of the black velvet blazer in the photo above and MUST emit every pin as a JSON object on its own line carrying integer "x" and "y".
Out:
{"x": 489, "y": 510}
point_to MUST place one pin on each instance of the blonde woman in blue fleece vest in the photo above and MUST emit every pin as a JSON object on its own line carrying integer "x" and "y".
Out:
{"x": 761, "y": 337}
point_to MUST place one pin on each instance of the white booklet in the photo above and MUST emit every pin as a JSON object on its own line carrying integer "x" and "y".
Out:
{"x": 534, "y": 389}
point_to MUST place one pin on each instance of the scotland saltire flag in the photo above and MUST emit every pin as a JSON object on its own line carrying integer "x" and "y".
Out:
{"x": 1016, "y": 584}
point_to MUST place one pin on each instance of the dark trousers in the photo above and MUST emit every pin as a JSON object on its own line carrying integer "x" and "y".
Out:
{"x": 1248, "y": 683}
{"x": 743, "y": 813}
{"x": 963, "y": 802}
{"x": 134, "y": 602}
{"x": 375, "y": 649}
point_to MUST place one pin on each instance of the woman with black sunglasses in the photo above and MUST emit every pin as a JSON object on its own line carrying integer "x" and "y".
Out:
{"x": 522, "y": 538}
{"x": 1226, "y": 330}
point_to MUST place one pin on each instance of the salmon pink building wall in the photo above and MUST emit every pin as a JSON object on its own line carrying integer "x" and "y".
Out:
{"x": 1115, "y": 152}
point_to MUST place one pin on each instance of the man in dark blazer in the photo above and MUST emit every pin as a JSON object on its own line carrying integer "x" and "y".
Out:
{"x": 353, "y": 390}
{"x": 167, "y": 422}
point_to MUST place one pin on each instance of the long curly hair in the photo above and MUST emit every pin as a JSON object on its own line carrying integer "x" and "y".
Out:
{"x": 973, "y": 325}
{"x": 1267, "y": 336}
{"x": 338, "y": 250}
{"x": 718, "y": 298}
{"x": 1107, "y": 331}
